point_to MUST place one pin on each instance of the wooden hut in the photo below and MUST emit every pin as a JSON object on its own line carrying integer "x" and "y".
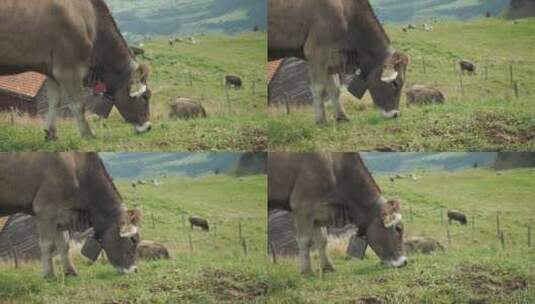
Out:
{"x": 24, "y": 92}
{"x": 281, "y": 233}
{"x": 288, "y": 80}
{"x": 19, "y": 236}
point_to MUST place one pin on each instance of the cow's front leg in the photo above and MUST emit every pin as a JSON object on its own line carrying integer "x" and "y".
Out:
{"x": 47, "y": 235}
{"x": 333, "y": 89}
{"x": 53, "y": 94}
{"x": 320, "y": 241}
{"x": 62, "y": 244}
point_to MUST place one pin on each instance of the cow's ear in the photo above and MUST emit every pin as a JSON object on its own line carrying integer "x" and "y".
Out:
{"x": 143, "y": 72}
{"x": 134, "y": 216}
{"x": 394, "y": 204}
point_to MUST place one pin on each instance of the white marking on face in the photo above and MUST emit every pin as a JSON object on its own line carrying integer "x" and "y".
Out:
{"x": 390, "y": 114}
{"x": 143, "y": 128}
{"x": 395, "y": 221}
{"x": 402, "y": 261}
{"x": 140, "y": 91}
{"x": 128, "y": 270}
{"x": 389, "y": 78}
{"x": 132, "y": 230}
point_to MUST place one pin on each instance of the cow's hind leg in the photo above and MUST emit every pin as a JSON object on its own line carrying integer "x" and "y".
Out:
{"x": 47, "y": 234}
{"x": 54, "y": 97}
{"x": 304, "y": 229}
{"x": 333, "y": 89}
{"x": 62, "y": 245}
{"x": 317, "y": 86}
{"x": 320, "y": 241}
{"x": 71, "y": 85}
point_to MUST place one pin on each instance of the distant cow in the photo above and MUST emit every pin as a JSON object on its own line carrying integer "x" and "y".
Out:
{"x": 456, "y": 216}
{"x": 411, "y": 27}
{"x": 467, "y": 66}
{"x": 422, "y": 244}
{"x": 185, "y": 108}
{"x": 199, "y": 222}
{"x": 171, "y": 42}
{"x": 149, "y": 250}
{"x": 427, "y": 27}
{"x": 419, "y": 95}
{"x": 137, "y": 51}
{"x": 233, "y": 81}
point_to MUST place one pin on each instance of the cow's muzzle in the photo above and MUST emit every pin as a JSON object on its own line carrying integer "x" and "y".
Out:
{"x": 391, "y": 113}
{"x": 400, "y": 262}
{"x": 143, "y": 128}
{"x": 125, "y": 271}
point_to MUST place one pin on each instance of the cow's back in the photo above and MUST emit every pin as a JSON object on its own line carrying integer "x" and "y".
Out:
{"x": 35, "y": 33}
{"x": 27, "y": 176}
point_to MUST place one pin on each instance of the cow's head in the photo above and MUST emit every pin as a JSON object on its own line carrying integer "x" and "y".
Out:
{"x": 120, "y": 241}
{"x": 385, "y": 83}
{"x": 132, "y": 100}
{"x": 385, "y": 234}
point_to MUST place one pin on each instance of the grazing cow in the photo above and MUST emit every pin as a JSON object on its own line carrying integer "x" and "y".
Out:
{"x": 185, "y": 108}
{"x": 149, "y": 250}
{"x": 171, "y": 42}
{"x": 467, "y": 66}
{"x": 423, "y": 245}
{"x": 338, "y": 37}
{"x": 454, "y": 215}
{"x": 320, "y": 189}
{"x": 411, "y": 27}
{"x": 69, "y": 192}
{"x": 420, "y": 95}
{"x": 76, "y": 44}
{"x": 199, "y": 222}
{"x": 427, "y": 27}
{"x": 233, "y": 81}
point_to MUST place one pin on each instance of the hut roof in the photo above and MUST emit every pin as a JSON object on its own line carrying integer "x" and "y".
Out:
{"x": 3, "y": 222}
{"x": 273, "y": 67}
{"x": 25, "y": 85}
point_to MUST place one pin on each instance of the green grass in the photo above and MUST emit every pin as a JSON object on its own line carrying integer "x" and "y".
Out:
{"x": 485, "y": 117}
{"x": 472, "y": 267}
{"x": 239, "y": 125}
{"x": 216, "y": 270}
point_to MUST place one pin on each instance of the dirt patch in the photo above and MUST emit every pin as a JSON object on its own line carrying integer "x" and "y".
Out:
{"x": 230, "y": 286}
{"x": 485, "y": 281}
{"x": 498, "y": 129}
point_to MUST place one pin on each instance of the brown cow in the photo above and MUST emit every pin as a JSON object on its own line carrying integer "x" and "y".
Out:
{"x": 198, "y": 222}
{"x": 319, "y": 188}
{"x": 338, "y": 37}
{"x": 69, "y": 192}
{"x": 74, "y": 43}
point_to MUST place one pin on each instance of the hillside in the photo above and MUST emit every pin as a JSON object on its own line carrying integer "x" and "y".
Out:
{"x": 214, "y": 269}
{"x": 234, "y": 123}
{"x": 481, "y": 112}
{"x": 186, "y": 17}
{"x": 424, "y": 10}
{"x": 474, "y": 268}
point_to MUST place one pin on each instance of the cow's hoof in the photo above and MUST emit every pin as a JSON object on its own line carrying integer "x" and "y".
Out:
{"x": 328, "y": 268}
{"x": 50, "y": 135}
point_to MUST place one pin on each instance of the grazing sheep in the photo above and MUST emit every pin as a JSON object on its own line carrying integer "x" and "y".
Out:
{"x": 149, "y": 250}
{"x": 184, "y": 108}
{"x": 199, "y": 222}
{"x": 454, "y": 215}
{"x": 422, "y": 245}
{"x": 420, "y": 95}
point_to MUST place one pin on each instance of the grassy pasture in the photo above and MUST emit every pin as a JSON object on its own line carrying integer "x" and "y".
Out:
{"x": 236, "y": 123}
{"x": 485, "y": 115}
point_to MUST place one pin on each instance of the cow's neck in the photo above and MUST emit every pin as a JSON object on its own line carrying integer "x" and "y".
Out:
{"x": 359, "y": 191}
{"x": 111, "y": 56}
{"x": 102, "y": 198}
{"x": 367, "y": 36}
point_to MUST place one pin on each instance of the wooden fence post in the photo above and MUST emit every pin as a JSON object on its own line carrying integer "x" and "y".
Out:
{"x": 511, "y": 76}
{"x": 287, "y": 103}
{"x": 498, "y": 224}
{"x": 239, "y": 230}
{"x": 515, "y": 89}
{"x": 228, "y": 99}
{"x": 190, "y": 243}
{"x": 441, "y": 216}
{"x": 153, "y": 222}
{"x": 461, "y": 85}
{"x": 244, "y": 246}
{"x": 273, "y": 253}
{"x": 529, "y": 236}
{"x": 502, "y": 239}
{"x": 423, "y": 63}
